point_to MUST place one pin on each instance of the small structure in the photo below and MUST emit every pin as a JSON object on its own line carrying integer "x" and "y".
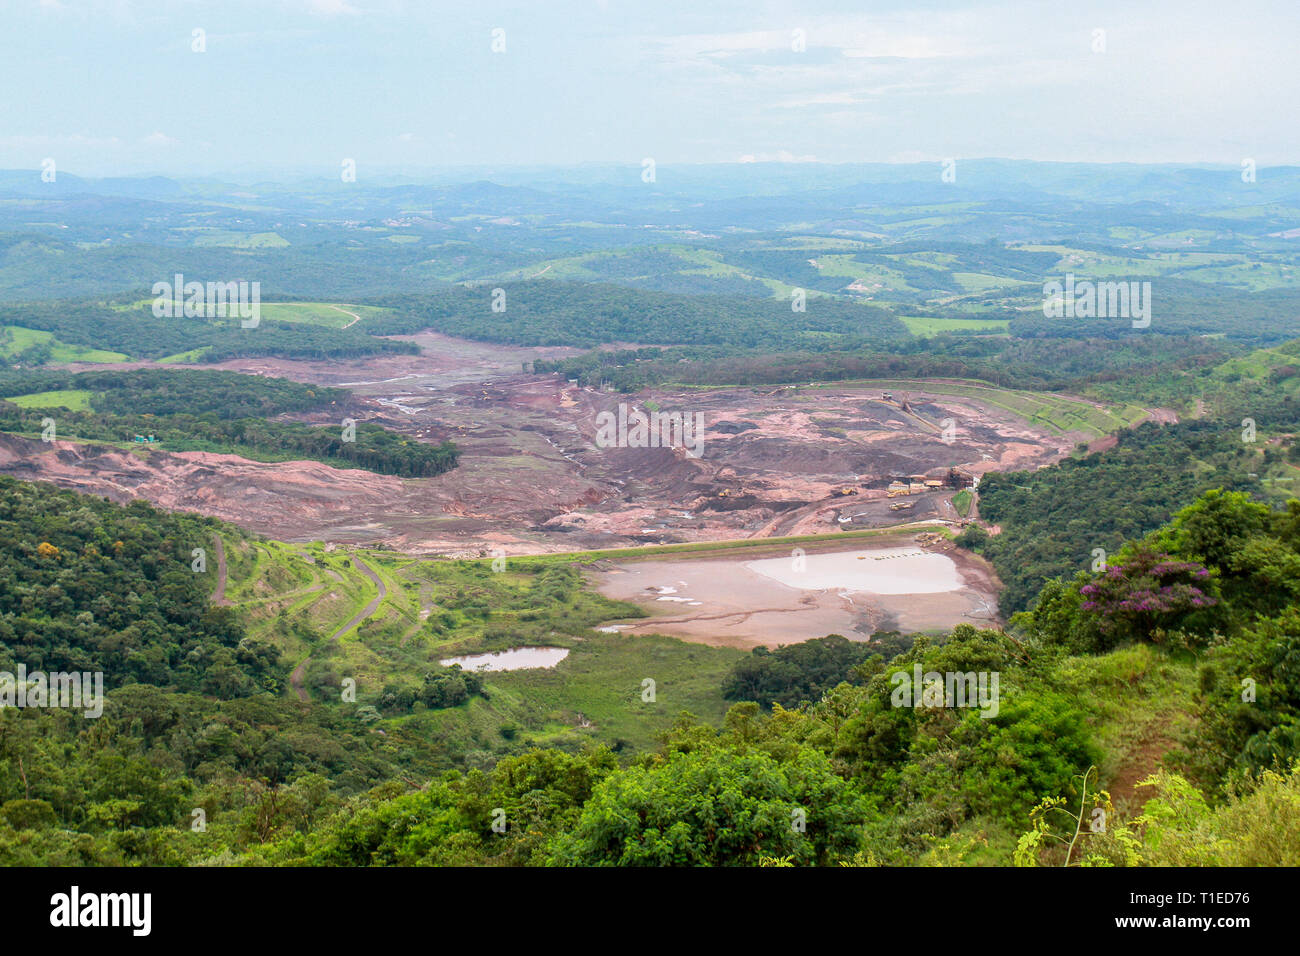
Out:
{"x": 959, "y": 478}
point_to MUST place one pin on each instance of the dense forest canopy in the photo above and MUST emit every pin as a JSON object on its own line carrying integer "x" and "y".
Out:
{"x": 86, "y": 585}
{"x": 225, "y": 412}
{"x": 567, "y": 313}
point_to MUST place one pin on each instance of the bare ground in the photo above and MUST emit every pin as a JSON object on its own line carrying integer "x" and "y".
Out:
{"x": 532, "y": 479}
{"x": 717, "y": 599}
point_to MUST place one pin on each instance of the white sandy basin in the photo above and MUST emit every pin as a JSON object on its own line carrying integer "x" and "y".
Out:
{"x": 515, "y": 659}
{"x": 880, "y": 571}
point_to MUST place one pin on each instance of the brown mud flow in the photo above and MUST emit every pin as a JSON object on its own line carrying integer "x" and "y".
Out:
{"x": 738, "y": 599}
{"x": 532, "y": 479}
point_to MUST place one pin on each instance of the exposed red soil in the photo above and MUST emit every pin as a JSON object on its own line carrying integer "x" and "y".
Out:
{"x": 1141, "y": 763}
{"x": 531, "y": 478}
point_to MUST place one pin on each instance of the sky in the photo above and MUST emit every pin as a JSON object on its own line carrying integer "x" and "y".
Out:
{"x": 117, "y": 87}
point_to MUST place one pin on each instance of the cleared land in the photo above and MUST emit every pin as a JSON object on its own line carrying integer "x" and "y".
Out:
{"x": 738, "y": 599}
{"x": 15, "y": 339}
{"x": 1057, "y": 413}
{"x": 72, "y": 399}
{"x": 928, "y": 325}
{"x": 392, "y": 618}
{"x": 318, "y": 313}
{"x": 533, "y": 479}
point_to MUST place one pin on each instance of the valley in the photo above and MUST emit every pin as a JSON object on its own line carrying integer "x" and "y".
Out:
{"x": 789, "y": 460}
{"x": 620, "y": 511}
{"x": 810, "y": 461}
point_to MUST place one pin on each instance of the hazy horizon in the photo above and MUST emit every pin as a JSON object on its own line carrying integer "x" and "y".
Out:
{"x": 128, "y": 87}
{"x": 288, "y": 173}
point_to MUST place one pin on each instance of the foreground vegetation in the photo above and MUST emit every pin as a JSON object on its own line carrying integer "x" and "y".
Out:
{"x": 397, "y": 759}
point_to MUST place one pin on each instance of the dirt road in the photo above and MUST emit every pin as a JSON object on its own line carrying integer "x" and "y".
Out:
{"x": 219, "y": 595}
{"x": 355, "y": 318}
{"x": 296, "y": 678}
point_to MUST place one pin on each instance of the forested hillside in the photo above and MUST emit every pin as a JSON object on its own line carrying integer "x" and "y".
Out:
{"x": 564, "y": 313}
{"x": 91, "y": 586}
{"x": 132, "y": 329}
{"x": 1161, "y": 639}
{"x": 225, "y": 412}
{"x": 1051, "y": 521}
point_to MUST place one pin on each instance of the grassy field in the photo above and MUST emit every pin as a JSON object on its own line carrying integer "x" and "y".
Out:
{"x": 1259, "y": 365}
{"x": 297, "y": 596}
{"x": 604, "y": 680}
{"x": 183, "y": 358}
{"x": 928, "y": 325}
{"x": 241, "y": 240}
{"x": 1055, "y": 413}
{"x": 15, "y": 339}
{"x": 329, "y": 314}
{"x": 76, "y": 400}
{"x": 701, "y": 548}
{"x": 1139, "y": 699}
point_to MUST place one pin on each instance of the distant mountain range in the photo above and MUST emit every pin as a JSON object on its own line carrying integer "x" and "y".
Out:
{"x": 528, "y": 188}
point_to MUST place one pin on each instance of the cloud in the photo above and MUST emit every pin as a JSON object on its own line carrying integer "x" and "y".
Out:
{"x": 70, "y": 140}
{"x": 157, "y": 139}
{"x": 904, "y": 38}
{"x": 780, "y": 156}
{"x": 905, "y": 48}
{"x": 843, "y": 98}
{"x": 915, "y": 156}
{"x": 330, "y": 8}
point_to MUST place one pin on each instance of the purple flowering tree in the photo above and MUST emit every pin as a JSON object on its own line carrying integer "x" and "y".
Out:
{"x": 1147, "y": 592}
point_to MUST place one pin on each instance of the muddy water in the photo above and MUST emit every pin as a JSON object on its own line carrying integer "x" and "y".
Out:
{"x": 878, "y": 571}
{"x": 732, "y": 602}
{"x": 515, "y": 659}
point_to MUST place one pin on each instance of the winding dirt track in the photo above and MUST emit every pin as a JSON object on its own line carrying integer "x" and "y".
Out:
{"x": 219, "y": 595}
{"x": 295, "y": 679}
{"x": 355, "y": 318}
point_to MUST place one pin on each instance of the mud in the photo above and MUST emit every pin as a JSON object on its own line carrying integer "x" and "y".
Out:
{"x": 725, "y": 600}
{"x": 775, "y": 461}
